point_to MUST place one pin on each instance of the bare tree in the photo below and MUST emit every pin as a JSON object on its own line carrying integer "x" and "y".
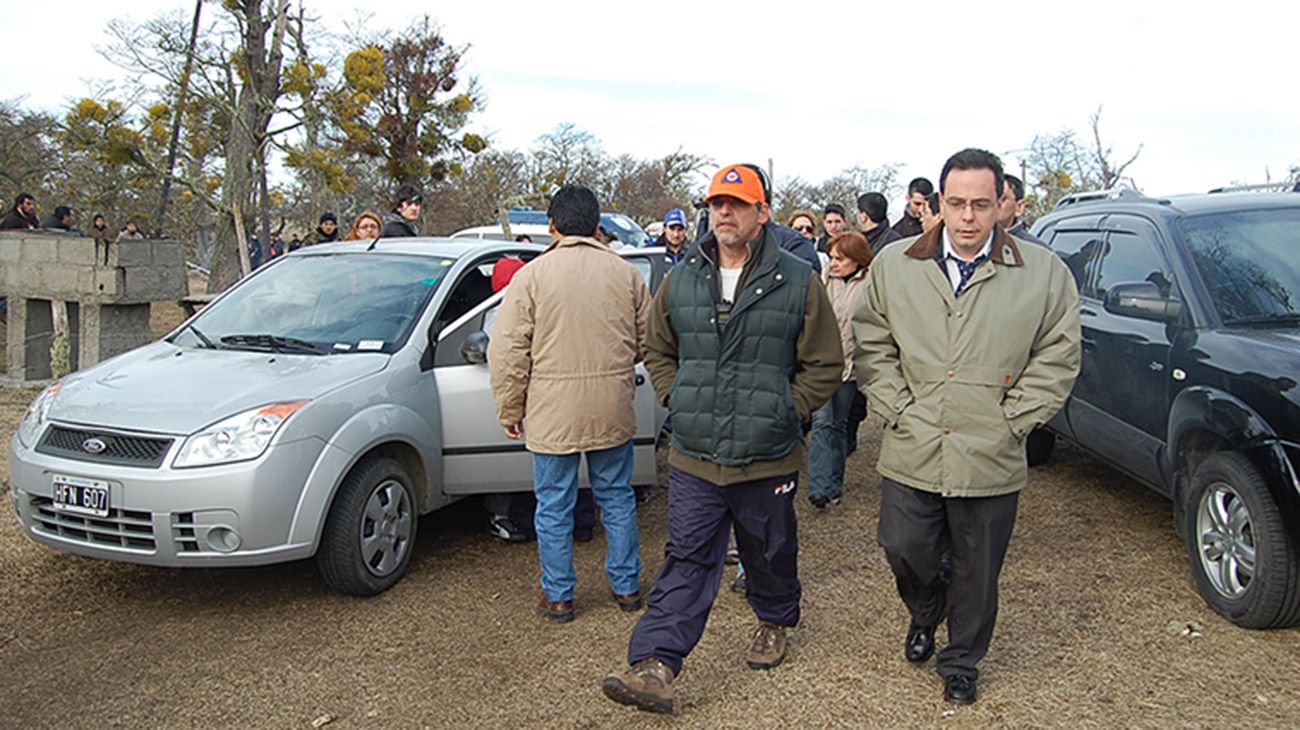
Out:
{"x": 1061, "y": 164}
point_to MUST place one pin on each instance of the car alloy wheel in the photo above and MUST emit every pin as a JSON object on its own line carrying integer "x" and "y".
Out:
{"x": 1242, "y": 551}
{"x": 1224, "y": 527}
{"x": 385, "y": 531}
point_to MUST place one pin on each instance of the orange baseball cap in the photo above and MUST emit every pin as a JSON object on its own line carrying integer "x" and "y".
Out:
{"x": 739, "y": 182}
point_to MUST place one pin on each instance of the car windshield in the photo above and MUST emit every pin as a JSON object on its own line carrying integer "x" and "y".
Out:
{"x": 1250, "y": 264}
{"x": 322, "y": 304}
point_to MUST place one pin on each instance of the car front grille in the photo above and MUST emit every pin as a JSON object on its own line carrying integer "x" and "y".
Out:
{"x": 119, "y": 449}
{"x": 122, "y": 528}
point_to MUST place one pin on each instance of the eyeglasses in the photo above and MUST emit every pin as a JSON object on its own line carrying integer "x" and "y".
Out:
{"x": 978, "y": 205}
{"x": 805, "y": 229}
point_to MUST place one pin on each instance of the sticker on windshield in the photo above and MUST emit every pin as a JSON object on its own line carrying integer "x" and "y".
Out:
{"x": 342, "y": 346}
{"x": 430, "y": 281}
{"x": 370, "y": 345}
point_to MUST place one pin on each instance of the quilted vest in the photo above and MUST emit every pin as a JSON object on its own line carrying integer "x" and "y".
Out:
{"x": 731, "y": 402}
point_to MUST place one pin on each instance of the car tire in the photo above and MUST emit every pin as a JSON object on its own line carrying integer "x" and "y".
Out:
{"x": 1038, "y": 446}
{"x": 1243, "y": 558}
{"x": 370, "y": 531}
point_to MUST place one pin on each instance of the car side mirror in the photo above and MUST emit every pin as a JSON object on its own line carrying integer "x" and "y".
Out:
{"x": 1142, "y": 300}
{"x": 474, "y": 351}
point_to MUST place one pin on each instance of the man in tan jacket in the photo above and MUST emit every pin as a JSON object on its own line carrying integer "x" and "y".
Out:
{"x": 563, "y": 355}
{"x": 966, "y": 341}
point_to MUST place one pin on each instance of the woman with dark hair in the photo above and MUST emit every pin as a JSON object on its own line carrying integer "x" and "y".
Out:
{"x": 850, "y": 255}
{"x": 805, "y": 222}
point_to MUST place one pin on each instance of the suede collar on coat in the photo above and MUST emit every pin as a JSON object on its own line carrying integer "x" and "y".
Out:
{"x": 577, "y": 241}
{"x": 1003, "y": 251}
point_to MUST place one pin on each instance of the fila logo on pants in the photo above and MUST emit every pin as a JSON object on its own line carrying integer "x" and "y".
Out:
{"x": 786, "y": 488}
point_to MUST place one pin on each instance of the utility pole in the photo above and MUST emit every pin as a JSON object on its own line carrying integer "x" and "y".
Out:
{"x": 163, "y": 199}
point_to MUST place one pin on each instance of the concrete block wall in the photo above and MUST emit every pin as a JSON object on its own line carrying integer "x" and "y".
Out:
{"x": 108, "y": 286}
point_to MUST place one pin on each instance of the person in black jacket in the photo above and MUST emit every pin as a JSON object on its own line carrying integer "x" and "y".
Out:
{"x": 327, "y": 231}
{"x": 1011, "y": 208}
{"x": 404, "y": 221}
{"x": 910, "y": 224}
{"x": 873, "y": 214}
{"x": 834, "y": 222}
{"x": 22, "y": 217}
{"x": 63, "y": 219}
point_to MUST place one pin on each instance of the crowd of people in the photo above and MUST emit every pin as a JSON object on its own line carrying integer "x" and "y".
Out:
{"x": 952, "y": 325}
{"x": 22, "y": 217}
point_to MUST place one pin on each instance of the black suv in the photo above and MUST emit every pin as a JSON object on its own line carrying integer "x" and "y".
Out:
{"x": 1191, "y": 357}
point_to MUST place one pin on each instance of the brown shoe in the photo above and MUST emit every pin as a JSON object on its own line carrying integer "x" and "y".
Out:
{"x": 629, "y": 602}
{"x": 561, "y": 612}
{"x": 768, "y": 647}
{"x": 647, "y": 685}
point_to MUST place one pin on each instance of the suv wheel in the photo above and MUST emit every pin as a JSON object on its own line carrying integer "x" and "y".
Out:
{"x": 368, "y": 537}
{"x": 1244, "y": 561}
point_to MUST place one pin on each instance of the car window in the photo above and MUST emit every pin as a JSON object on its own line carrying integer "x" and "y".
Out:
{"x": 1130, "y": 255}
{"x": 337, "y": 303}
{"x": 1079, "y": 250}
{"x": 1248, "y": 262}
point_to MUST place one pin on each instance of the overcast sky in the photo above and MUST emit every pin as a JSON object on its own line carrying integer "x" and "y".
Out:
{"x": 1207, "y": 89}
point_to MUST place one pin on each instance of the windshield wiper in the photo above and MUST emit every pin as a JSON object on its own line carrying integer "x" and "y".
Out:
{"x": 274, "y": 343}
{"x": 207, "y": 341}
{"x": 1265, "y": 319}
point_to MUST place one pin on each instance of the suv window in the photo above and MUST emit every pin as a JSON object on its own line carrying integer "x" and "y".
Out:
{"x": 1247, "y": 261}
{"x": 1079, "y": 249}
{"x": 1129, "y": 256}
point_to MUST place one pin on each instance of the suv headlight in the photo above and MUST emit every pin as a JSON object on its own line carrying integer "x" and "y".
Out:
{"x": 29, "y": 429}
{"x": 241, "y": 437}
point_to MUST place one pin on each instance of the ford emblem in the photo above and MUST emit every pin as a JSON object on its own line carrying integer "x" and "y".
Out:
{"x": 93, "y": 446}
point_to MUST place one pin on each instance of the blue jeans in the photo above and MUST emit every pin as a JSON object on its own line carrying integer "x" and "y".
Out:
{"x": 555, "y": 481}
{"x": 829, "y": 441}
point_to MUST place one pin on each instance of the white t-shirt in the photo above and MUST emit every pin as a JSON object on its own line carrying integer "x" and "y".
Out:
{"x": 730, "y": 278}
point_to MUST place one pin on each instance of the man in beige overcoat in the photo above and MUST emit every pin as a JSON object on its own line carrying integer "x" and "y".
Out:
{"x": 562, "y": 360}
{"x": 966, "y": 341}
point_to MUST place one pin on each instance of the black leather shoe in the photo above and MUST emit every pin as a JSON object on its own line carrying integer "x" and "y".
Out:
{"x": 920, "y": 643}
{"x": 959, "y": 689}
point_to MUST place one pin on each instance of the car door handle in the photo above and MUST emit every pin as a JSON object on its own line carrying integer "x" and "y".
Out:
{"x": 640, "y": 380}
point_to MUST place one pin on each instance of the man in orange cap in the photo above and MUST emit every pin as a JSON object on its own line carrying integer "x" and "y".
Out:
{"x": 742, "y": 346}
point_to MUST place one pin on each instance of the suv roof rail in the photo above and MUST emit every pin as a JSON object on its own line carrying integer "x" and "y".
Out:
{"x": 1285, "y": 186}
{"x": 1088, "y": 196}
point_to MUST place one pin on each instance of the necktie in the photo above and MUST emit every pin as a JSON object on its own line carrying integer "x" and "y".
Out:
{"x": 966, "y": 268}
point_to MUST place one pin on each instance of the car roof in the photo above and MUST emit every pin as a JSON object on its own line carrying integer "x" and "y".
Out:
{"x": 1174, "y": 205}
{"x": 435, "y": 247}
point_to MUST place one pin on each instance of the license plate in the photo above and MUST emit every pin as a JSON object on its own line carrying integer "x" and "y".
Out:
{"x": 82, "y": 496}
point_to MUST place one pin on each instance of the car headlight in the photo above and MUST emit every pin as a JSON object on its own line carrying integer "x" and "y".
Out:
{"x": 29, "y": 429}
{"x": 241, "y": 437}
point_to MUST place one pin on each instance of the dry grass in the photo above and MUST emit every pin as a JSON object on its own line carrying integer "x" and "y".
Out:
{"x": 1094, "y": 577}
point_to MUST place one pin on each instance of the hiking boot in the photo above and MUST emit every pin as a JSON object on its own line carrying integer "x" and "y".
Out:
{"x": 819, "y": 500}
{"x": 768, "y": 648}
{"x": 503, "y": 528}
{"x": 837, "y": 498}
{"x": 561, "y": 612}
{"x": 629, "y": 602}
{"x": 647, "y": 685}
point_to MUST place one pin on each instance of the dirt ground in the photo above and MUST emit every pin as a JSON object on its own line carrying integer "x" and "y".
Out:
{"x": 1096, "y": 595}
